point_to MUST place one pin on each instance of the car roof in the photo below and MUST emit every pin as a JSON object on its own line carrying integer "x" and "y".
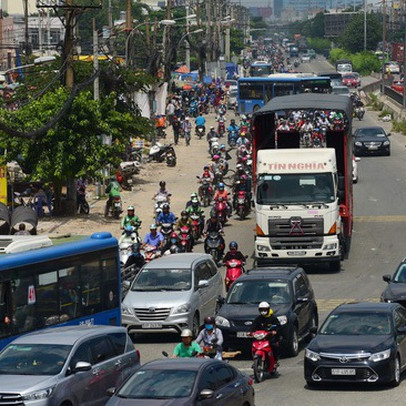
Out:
{"x": 380, "y": 307}
{"x": 276, "y": 272}
{"x": 191, "y": 364}
{"x": 67, "y": 335}
{"x": 183, "y": 260}
{"x": 371, "y": 127}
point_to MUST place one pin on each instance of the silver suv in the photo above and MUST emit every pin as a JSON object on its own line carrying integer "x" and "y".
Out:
{"x": 66, "y": 366}
{"x": 172, "y": 293}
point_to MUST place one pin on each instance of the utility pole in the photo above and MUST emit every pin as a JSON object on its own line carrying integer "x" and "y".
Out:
{"x": 1, "y": 35}
{"x": 110, "y": 22}
{"x": 208, "y": 31}
{"x": 404, "y": 54}
{"x": 383, "y": 42}
{"x": 48, "y": 33}
{"x": 96, "y": 88}
{"x": 68, "y": 49}
{"x": 365, "y": 24}
{"x": 187, "y": 45}
{"x": 26, "y": 33}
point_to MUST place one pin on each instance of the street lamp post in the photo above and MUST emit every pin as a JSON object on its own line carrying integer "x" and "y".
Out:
{"x": 365, "y": 24}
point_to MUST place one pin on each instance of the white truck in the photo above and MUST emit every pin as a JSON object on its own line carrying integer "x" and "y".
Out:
{"x": 297, "y": 207}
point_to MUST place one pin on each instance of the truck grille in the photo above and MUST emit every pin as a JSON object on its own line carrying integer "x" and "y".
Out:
{"x": 295, "y": 226}
{"x": 152, "y": 313}
{"x": 294, "y": 243}
{"x": 11, "y": 399}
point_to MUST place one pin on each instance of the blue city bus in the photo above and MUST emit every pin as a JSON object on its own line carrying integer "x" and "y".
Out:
{"x": 254, "y": 93}
{"x": 70, "y": 283}
{"x": 261, "y": 68}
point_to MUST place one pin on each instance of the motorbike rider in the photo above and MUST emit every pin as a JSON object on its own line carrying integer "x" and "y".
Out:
{"x": 269, "y": 322}
{"x": 242, "y": 139}
{"x": 307, "y": 126}
{"x": 130, "y": 219}
{"x": 184, "y": 221}
{"x": 80, "y": 192}
{"x": 241, "y": 184}
{"x": 234, "y": 253}
{"x": 283, "y": 126}
{"x": 129, "y": 235}
{"x": 187, "y": 348}
{"x": 233, "y": 126}
{"x": 211, "y": 134}
{"x": 163, "y": 191}
{"x": 173, "y": 241}
{"x": 223, "y": 152}
{"x": 211, "y": 336}
{"x": 113, "y": 189}
{"x": 223, "y": 193}
{"x": 196, "y": 209}
{"x": 154, "y": 237}
{"x": 207, "y": 174}
{"x": 200, "y": 121}
{"x": 193, "y": 196}
{"x": 324, "y": 121}
{"x": 166, "y": 216}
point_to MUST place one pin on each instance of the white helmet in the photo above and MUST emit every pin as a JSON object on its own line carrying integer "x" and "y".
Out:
{"x": 186, "y": 333}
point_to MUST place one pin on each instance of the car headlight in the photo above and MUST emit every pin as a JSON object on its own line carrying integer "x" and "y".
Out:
{"x": 222, "y": 322}
{"x": 41, "y": 394}
{"x": 330, "y": 246}
{"x": 182, "y": 309}
{"x": 358, "y": 144}
{"x": 386, "y": 143}
{"x": 126, "y": 310}
{"x": 283, "y": 320}
{"x": 380, "y": 356}
{"x": 311, "y": 355}
{"x": 263, "y": 248}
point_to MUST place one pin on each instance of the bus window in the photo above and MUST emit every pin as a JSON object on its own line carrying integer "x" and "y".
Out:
{"x": 110, "y": 276}
{"x": 47, "y": 298}
{"x": 268, "y": 92}
{"x": 69, "y": 294}
{"x": 5, "y": 309}
{"x": 249, "y": 91}
{"x": 25, "y": 298}
{"x": 283, "y": 89}
{"x": 91, "y": 284}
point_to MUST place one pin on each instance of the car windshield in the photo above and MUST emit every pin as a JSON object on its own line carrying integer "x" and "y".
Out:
{"x": 400, "y": 275}
{"x": 340, "y": 90}
{"x": 33, "y": 359}
{"x": 257, "y": 291}
{"x": 295, "y": 188}
{"x": 162, "y": 279}
{"x": 158, "y": 384}
{"x": 349, "y": 77}
{"x": 370, "y": 132}
{"x": 362, "y": 323}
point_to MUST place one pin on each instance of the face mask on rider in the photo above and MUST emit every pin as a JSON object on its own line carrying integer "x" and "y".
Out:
{"x": 208, "y": 326}
{"x": 264, "y": 313}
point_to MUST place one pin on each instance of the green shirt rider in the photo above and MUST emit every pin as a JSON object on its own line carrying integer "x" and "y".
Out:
{"x": 113, "y": 189}
{"x": 131, "y": 219}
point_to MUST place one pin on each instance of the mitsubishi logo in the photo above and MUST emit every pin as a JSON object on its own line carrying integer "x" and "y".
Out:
{"x": 343, "y": 360}
{"x": 296, "y": 223}
{"x": 151, "y": 309}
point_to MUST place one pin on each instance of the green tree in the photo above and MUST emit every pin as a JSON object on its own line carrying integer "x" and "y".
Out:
{"x": 352, "y": 38}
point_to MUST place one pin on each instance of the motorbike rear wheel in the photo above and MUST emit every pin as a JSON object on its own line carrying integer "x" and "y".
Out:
{"x": 241, "y": 213}
{"x": 259, "y": 369}
{"x": 84, "y": 207}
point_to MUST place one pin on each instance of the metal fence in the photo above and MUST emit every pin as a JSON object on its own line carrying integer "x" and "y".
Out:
{"x": 393, "y": 94}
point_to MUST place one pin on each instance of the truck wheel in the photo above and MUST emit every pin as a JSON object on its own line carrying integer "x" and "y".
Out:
{"x": 335, "y": 266}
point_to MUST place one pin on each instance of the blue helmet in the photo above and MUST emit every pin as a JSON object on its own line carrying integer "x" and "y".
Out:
{"x": 221, "y": 185}
{"x": 128, "y": 229}
{"x": 233, "y": 245}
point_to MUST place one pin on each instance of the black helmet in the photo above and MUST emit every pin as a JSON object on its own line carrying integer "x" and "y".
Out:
{"x": 184, "y": 214}
{"x": 233, "y": 245}
{"x": 165, "y": 206}
{"x": 232, "y": 121}
{"x": 209, "y": 320}
{"x": 162, "y": 183}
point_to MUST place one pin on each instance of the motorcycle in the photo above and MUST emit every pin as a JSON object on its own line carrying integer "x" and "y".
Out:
{"x": 193, "y": 111}
{"x": 185, "y": 239}
{"x": 242, "y": 206}
{"x": 306, "y": 138}
{"x": 337, "y": 124}
{"x": 359, "y": 113}
{"x": 158, "y": 152}
{"x": 214, "y": 246}
{"x": 197, "y": 226}
{"x": 264, "y": 360}
{"x": 82, "y": 204}
{"x": 171, "y": 157}
{"x": 160, "y": 132}
{"x": 200, "y": 131}
{"x": 232, "y": 138}
{"x": 166, "y": 231}
{"x": 221, "y": 128}
{"x": 206, "y": 192}
{"x": 134, "y": 261}
{"x": 234, "y": 269}
{"x": 116, "y": 207}
{"x": 160, "y": 200}
{"x": 151, "y": 252}
{"x": 221, "y": 209}
{"x": 213, "y": 146}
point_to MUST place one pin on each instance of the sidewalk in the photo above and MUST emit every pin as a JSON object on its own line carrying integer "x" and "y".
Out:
{"x": 181, "y": 181}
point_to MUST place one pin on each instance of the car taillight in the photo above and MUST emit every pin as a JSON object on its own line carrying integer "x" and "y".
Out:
{"x": 138, "y": 355}
{"x": 250, "y": 381}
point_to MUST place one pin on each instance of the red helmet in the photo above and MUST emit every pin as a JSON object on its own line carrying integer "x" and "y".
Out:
{"x": 173, "y": 235}
{"x": 244, "y": 159}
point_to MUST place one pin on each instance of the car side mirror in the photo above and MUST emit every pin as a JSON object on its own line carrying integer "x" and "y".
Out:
{"x": 388, "y": 134}
{"x": 203, "y": 284}
{"x": 206, "y": 394}
{"x": 220, "y": 300}
{"x": 313, "y": 331}
{"x": 82, "y": 366}
{"x": 357, "y": 159}
{"x": 401, "y": 330}
{"x": 387, "y": 278}
{"x": 126, "y": 284}
{"x": 110, "y": 392}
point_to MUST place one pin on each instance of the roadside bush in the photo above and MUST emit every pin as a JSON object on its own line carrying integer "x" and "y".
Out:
{"x": 318, "y": 44}
{"x": 399, "y": 126}
{"x": 363, "y": 62}
{"x": 374, "y": 102}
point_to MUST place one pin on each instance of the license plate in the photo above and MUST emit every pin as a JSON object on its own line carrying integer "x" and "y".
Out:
{"x": 296, "y": 253}
{"x": 116, "y": 204}
{"x": 243, "y": 334}
{"x": 151, "y": 325}
{"x": 241, "y": 201}
{"x": 342, "y": 371}
{"x": 372, "y": 148}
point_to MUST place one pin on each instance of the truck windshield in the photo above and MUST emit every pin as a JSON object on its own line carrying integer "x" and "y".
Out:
{"x": 295, "y": 188}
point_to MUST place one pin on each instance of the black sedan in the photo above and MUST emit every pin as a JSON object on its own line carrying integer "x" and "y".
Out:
{"x": 359, "y": 342}
{"x": 185, "y": 381}
{"x": 371, "y": 141}
{"x": 396, "y": 289}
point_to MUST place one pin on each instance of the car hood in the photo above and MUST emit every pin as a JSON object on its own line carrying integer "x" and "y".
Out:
{"x": 396, "y": 291}
{"x": 248, "y": 311}
{"x": 25, "y": 384}
{"x": 337, "y": 344}
{"x": 156, "y": 298}
{"x": 368, "y": 138}
{"x": 116, "y": 401}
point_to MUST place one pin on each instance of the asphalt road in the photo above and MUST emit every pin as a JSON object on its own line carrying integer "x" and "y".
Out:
{"x": 377, "y": 247}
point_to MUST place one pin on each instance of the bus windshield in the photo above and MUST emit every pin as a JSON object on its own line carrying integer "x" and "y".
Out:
{"x": 261, "y": 70}
{"x": 295, "y": 188}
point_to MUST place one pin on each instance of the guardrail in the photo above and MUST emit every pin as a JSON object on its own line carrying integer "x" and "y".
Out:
{"x": 393, "y": 94}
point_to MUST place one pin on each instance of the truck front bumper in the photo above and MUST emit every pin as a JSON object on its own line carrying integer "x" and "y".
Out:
{"x": 329, "y": 251}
